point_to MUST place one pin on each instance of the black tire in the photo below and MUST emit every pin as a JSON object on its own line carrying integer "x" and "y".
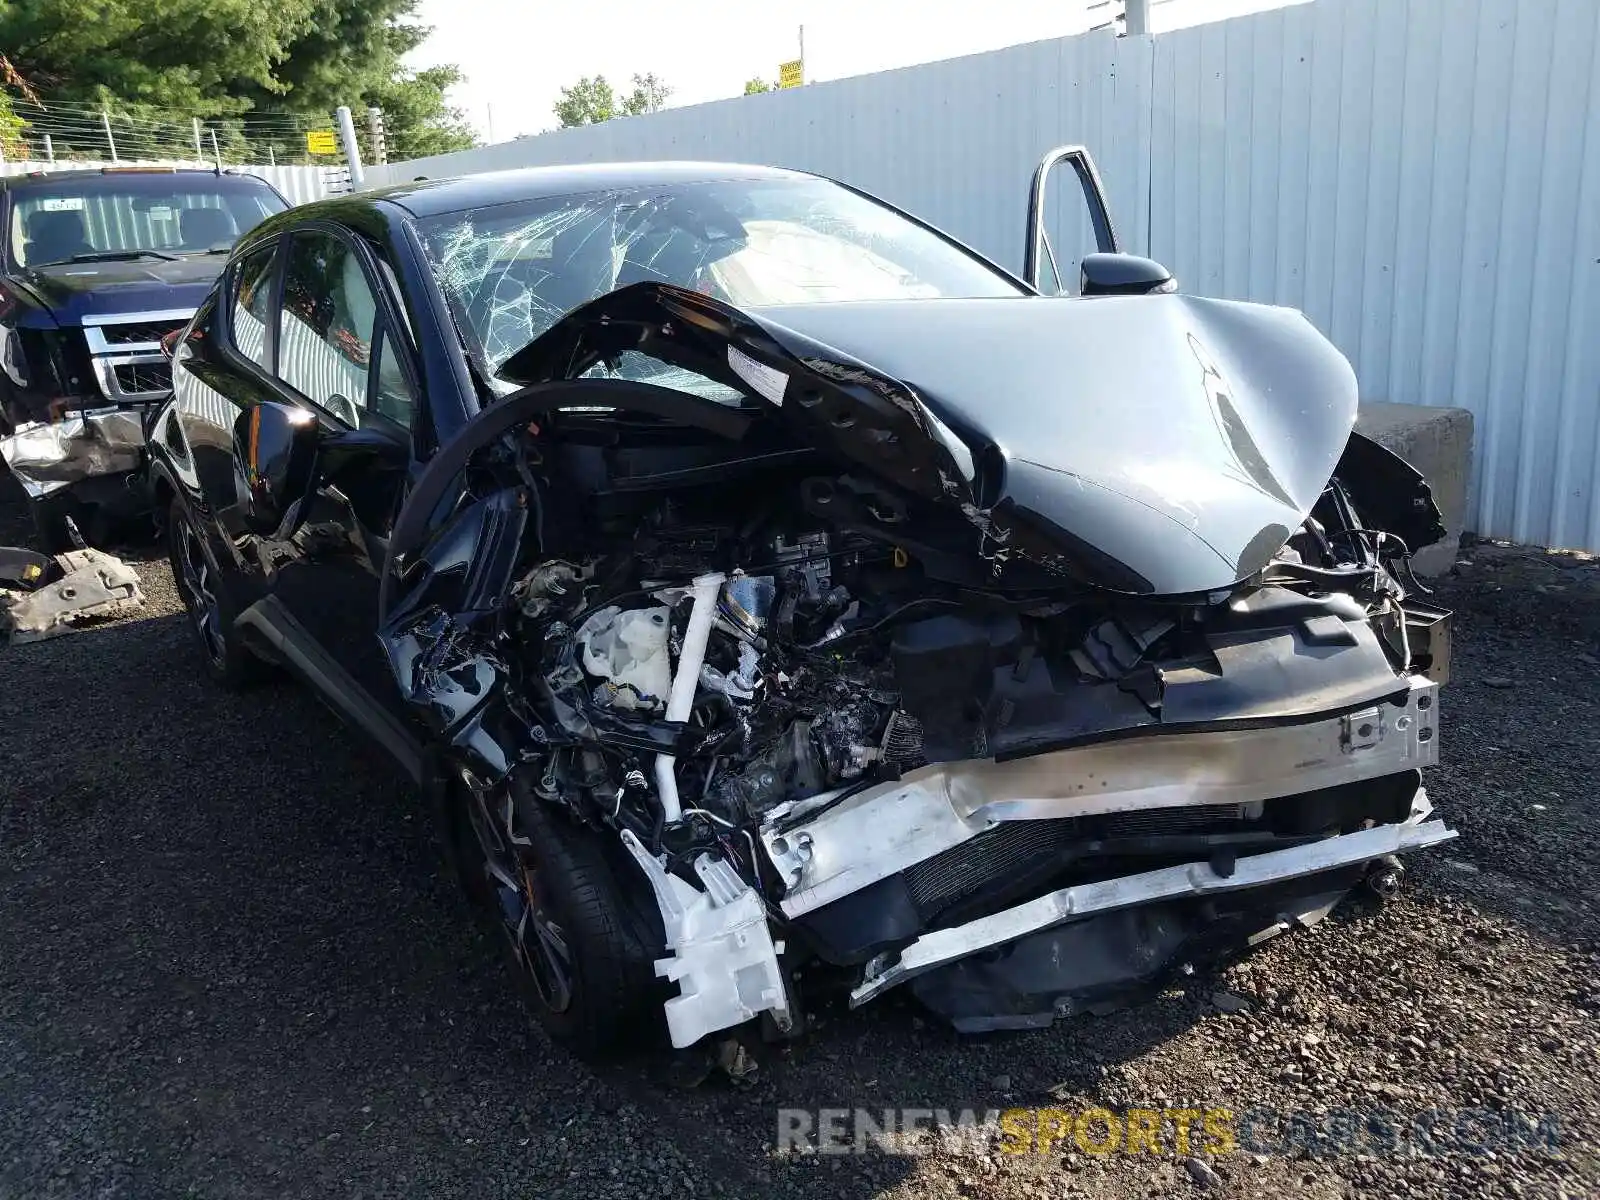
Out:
{"x": 209, "y": 602}
{"x": 611, "y": 932}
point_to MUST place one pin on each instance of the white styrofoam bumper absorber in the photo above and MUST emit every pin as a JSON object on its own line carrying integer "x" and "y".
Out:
{"x": 704, "y": 591}
{"x": 722, "y": 955}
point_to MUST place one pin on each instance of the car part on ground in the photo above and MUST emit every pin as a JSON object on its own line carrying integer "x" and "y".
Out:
{"x": 81, "y": 586}
{"x": 858, "y": 690}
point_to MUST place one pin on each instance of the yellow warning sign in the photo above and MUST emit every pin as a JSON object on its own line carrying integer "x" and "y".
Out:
{"x": 321, "y": 141}
{"x": 792, "y": 74}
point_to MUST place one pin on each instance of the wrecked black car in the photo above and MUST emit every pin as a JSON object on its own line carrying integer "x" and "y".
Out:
{"x": 770, "y": 594}
{"x": 98, "y": 266}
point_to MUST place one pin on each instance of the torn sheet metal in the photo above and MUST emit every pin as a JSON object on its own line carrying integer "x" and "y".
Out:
{"x": 93, "y": 585}
{"x": 46, "y": 458}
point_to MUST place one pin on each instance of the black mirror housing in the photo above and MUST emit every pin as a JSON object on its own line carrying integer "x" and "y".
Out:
{"x": 275, "y": 462}
{"x": 1124, "y": 275}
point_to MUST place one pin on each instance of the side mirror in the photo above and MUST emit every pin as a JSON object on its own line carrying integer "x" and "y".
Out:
{"x": 275, "y": 458}
{"x": 1124, "y": 275}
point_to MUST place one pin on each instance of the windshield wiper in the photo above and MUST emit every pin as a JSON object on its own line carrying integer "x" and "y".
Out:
{"x": 115, "y": 255}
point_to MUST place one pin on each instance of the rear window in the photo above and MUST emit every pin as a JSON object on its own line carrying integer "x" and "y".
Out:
{"x": 113, "y": 217}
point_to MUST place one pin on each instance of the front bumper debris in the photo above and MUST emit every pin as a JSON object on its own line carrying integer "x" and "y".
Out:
{"x": 91, "y": 585}
{"x": 1197, "y": 879}
{"x": 891, "y": 827}
{"x": 48, "y": 457}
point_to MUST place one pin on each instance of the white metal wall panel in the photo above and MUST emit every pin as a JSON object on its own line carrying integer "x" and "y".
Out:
{"x": 1421, "y": 177}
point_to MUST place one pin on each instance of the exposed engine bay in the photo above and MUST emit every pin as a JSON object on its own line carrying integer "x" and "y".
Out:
{"x": 826, "y": 727}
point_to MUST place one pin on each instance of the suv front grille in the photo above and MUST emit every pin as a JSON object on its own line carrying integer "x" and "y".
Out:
{"x": 144, "y": 377}
{"x": 139, "y": 332}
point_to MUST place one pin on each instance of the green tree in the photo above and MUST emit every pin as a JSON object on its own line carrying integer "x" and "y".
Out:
{"x": 587, "y": 102}
{"x": 417, "y": 120}
{"x": 650, "y": 93}
{"x": 591, "y": 100}
{"x": 757, "y": 86}
{"x": 244, "y": 66}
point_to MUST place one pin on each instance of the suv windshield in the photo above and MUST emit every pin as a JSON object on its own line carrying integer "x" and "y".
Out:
{"x": 130, "y": 216}
{"x": 510, "y": 271}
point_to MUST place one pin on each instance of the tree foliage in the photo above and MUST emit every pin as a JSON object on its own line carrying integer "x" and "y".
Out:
{"x": 240, "y": 61}
{"x": 592, "y": 100}
{"x": 756, "y": 86}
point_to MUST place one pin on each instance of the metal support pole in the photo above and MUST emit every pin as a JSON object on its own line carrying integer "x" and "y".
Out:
{"x": 352, "y": 148}
{"x": 802, "y": 55}
{"x": 272, "y": 159}
{"x": 105, "y": 123}
{"x": 1136, "y": 17}
{"x": 215, "y": 153}
{"x": 199, "y": 150}
{"x": 49, "y": 149}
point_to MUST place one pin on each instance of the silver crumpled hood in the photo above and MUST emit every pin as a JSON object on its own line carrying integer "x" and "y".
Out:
{"x": 45, "y": 458}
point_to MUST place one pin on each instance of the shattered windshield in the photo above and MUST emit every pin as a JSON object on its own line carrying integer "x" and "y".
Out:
{"x": 510, "y": 271}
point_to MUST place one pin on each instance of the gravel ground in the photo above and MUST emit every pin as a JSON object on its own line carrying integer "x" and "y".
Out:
{"x": 229, "y": 967}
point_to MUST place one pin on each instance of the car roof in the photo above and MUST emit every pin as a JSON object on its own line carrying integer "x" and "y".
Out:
{"x": 112, "y": 174}
{"x": 431, "y": 197}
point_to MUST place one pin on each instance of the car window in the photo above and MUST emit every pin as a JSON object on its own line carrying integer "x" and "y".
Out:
{"x": 135, "y": 215}
{"x": 251, "y": 293}
{"x": 392, "y": 394}
{"x": 326, "y": 326}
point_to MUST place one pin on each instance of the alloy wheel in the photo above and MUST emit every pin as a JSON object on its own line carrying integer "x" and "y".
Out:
{"x": 195, "y": 577}
{"x": 536, "y": 939}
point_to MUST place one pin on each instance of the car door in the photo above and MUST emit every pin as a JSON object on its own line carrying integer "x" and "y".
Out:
{"x": 342, "y": 349}
{"x": 1065, "y": 222}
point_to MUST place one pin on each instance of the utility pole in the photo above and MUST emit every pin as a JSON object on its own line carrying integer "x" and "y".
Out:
{"x": 1135, "y": 17}
{"x": 105, "y": 123}
{"x": 802, "y": 55}
{"x": 199, "y": 151}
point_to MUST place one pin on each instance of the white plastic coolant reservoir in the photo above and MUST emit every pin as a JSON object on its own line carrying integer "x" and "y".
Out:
{"x": 629, "y": 648}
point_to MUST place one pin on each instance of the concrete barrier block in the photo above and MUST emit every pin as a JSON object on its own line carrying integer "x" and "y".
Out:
{"x": 1437, "y": 442}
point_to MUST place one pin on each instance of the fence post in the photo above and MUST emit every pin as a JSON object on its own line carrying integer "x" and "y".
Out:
{"x": 380, "y": 150}
{"x": 105, "y": 123}
{"x": 215, "y": 153}
{"x": 1136, "y": 17}
{"x": 199, "y": 150}
{"x": 352, "y": 148}
{"x": 49, "y": 149}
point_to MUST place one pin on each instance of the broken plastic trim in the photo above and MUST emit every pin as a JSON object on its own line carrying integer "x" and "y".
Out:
{"x": 721, "y": 953}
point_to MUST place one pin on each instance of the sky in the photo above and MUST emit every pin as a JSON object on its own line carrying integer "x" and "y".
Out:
{"x": 518, "y": 54}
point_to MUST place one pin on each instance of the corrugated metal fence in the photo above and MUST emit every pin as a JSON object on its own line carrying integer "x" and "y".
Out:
{"x": 299, "y": 185}
{"x": 1422, "y": 177}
